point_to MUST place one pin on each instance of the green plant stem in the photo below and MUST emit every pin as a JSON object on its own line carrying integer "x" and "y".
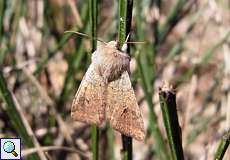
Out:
{"x": 169, "y": 112}
{"x": 93, "y": 22}
{"x": 15, "y": 118}
{"x": 125, "y": 18}
{"x": 223, "y": 146}
{"x": 2, "y": 9}
{"x": 93, "y": 27}
{"x": 123, "y": 4}
{"x": 111, "y": 138}
{"x": 95, "y": 141}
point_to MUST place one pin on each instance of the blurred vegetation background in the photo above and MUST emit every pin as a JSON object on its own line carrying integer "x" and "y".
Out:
{"x": 41, "y": 67}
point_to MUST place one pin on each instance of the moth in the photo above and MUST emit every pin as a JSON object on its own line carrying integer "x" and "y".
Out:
{"x": 106, "y": 93}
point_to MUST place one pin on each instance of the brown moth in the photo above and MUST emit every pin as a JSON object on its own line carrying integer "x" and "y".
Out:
{"x": 106, "y": 93}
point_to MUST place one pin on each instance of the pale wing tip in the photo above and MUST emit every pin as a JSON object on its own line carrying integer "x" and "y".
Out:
{"x": 85, "y": 118}
{"x": 140, "y": 136}
{"x": 136, "y": 132}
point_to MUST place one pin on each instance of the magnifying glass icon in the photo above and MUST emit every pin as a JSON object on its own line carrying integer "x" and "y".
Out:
{"x": 9, "y": 147}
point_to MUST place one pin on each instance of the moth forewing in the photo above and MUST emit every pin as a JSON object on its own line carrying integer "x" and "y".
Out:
{"x": 122, "y": 109}
{"x": 88, "y": 105}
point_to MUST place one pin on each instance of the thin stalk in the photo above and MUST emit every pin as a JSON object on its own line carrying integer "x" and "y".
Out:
{"x": 95, "y": 141}
{"x": 125, "y": 18}
{"x": 111, "y": 138}
{"x": 169, "y": 112}
{"x": 93, "y": 22}
{"x": 223, "y": 146}
{"x": 15, "y": 118}
{"x": 123, "y": 4}
{"x": 127, "y": 147}
{"x": 2, "y": 9}
{"x": 93, "y": 27}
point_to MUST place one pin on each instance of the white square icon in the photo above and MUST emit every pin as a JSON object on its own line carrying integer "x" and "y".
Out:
{"x": 10, "y": 148}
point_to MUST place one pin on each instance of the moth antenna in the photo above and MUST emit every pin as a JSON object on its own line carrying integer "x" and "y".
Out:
{"x": 85, "y": 35}
{"x": 127, "y": 38}
{"x": 137, "y": 42}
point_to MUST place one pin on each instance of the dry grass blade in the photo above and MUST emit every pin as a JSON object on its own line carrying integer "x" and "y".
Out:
{"x": 18, "y": 119}
{"x": 29, "y": 129}
{"x": 75, "y": 13}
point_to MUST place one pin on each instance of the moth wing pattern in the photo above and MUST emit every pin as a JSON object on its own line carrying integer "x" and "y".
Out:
{"x": 122, "y": 109}
{"x": 88, "y": 105}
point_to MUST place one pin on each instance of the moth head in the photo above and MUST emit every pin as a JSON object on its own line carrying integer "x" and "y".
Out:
{"x": 113, "y": 45}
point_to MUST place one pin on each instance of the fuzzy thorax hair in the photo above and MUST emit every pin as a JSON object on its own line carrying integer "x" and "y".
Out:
{"x": 110, "y": 62}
